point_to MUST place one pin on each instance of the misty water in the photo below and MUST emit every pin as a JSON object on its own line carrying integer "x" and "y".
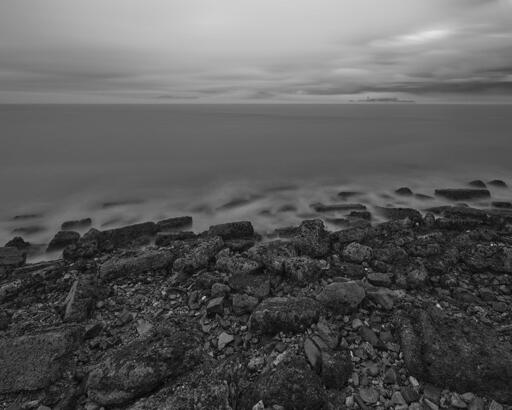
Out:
{"x": 121, "y": 164}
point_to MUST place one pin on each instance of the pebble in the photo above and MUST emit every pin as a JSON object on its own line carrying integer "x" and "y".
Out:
{"x": 477, "y": 404}
{"x": 369, "y": 395}
{"x": 457, "y": 402}
{"x": 495, "y": 405}
{"x": 409, "y": 394}
{"x": 224, "y": 340}
{"x": 390, "y": 376}
{"x": 397, "y": 398}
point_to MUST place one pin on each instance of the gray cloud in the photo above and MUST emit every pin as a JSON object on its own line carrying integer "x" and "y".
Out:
{"x": 242, "y": 50}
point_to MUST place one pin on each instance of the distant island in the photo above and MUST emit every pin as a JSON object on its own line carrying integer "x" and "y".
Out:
{"x": 383, "y": 100}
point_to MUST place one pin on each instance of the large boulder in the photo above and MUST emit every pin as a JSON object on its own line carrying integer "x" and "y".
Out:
{"x": 303, "y": 269}
{"x": 459, "y": 353}
{"x": 172, "y": 224}
{"x": 342, "y": 297}
{"x": 488, "y": 257}
{"x": 143, "y": 365}
{"x": 285, "y": 314}
{"x": 232, "y": 230}
{"x": 355, "y": 252}
{"x": 63, "y": 239}
{"x": 273, "y": 254}
{"x": 33, "y": 362}
{"x": 199, "y": 256}
{"x": 312, "y": 239}
{"x": 145, "y": 261}
{"x": 291, "y": 384}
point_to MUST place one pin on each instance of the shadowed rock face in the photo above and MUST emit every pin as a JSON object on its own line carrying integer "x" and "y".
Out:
{"x": 143, "y": 365}
{"x": 34, "y": 362}
{"x": 460, "y": 354}
{"x": 462, "y": 194}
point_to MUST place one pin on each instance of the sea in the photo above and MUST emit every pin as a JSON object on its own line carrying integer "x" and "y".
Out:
{"x": 267, "y": 163}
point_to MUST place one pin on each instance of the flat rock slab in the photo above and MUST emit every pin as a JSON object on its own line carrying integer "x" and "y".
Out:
{"x": 463, "y": 194}
{"x": 285, "y": 314}
{"x": 460, "y": 354}
{"x": 34, "y": 362}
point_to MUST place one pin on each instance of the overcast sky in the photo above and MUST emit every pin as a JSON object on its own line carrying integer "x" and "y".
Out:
{"x": 255, "y": 50}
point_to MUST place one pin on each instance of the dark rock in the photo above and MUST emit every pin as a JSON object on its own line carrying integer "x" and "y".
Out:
{"x": 232, "y": 230}
{"x": 366, "y": 215}
{"x": 63, "y": 239}
{"x": 400, "y": 213}
{"x": 390, "y": 376}
{"x": 243, "y": 303}
{"x": 167, "y": 238}
{"x": 81, "y": 299}
{"x": 342, "y": 297}
{"x": 404, "y": 191}
{"x": 303, "y": 269}
{"x": 478, "y": 361}
{"x": 369, "y": 335}
{"x": 477, "y": 183}
{"x": 498, "y": 183}
{"x": 409, "y": 394}
{"x": 237, "y": 265}
{"x": 11, "y": 257}
{"x": 142, "y": 262}
{"x": 348, "y": 194}
{"x": 255, "y": 285}
{"x": 28, "y": 230}
{"x": 379, "y": 279}
{"x": 502, "y": 204}
{"x": 463, "y": 194}
{"x": 33, "y": 362}
{"x": 200, "y": 256}
{"x": 285, "y": 314}
{"x": 382, "y": 297}
{"x": 215, "y": 306}
{"x": 19, "y": 243}
{"x": 291, "y": 384}
{"x": 273, "y": 254}
{"x": 77, "y": 224}
{"x": 171, "y": 224}
{"x": 481, "y": 257}
{"x": 369, "y": 395}
{"x": 337, "y": 207}
{"x": 141, "y": 366}
{"x": 355, "y": 252}
{"x": 312, "y": 239}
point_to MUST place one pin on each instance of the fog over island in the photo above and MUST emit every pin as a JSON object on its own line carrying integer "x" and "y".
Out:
{"x": 160, "y": 51}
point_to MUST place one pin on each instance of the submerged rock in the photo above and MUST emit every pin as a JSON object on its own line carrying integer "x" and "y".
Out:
{"x": 76, "y": 224}
{"x": 463, "y": 194}
{"x": 498, "y": 183}
{"x": 171, "y": 224}
{"x": 478, "y": 361}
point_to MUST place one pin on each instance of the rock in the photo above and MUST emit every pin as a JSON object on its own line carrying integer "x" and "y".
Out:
{"x": 417, "y": 276}
{"x": 303, "y": 269}
{"x": 311, "y": 239}
{"x": 232, "y": 230}
{"x": 393, "y": 213}
{"x": 379, "y": 279}
{"x": 34, "y": 362}
{"x": 141, "y": 366}
{"x": 457, "y": 402}
{"x": 19, "y": 243}
{"x": 272, "y": 255}
{"x": 200, "y": 256}
{"x": 81, "y": 299}
{"x": 63, "y": 239}
{"x": 495, "y": 405}
{"x": 404, "y": 191}
{"x": 477, "y": 183}
{"x": 342, "y": 297}
{"x": 369, "y": 395}
{"x": 76, "y": 224}
{"x": 409, "y": 394}
{"x": 237, "y": 264}
{"x": 478, "y": 361}
{"x": 171, "y": 224}
{"x": 219, "y": 289}
{"x": 127, "y": 235}
{"x": 285, "y": 314}
{"x": 390, "y": 376}
{"x": 369, "y": 335}
{"x": 432, "y": 393}
{"x": 355, "y": 252}
{"x": 167, "y": 238}
{"x": 463, "y": 194}
{"x": 480, "y": 257}
{"x": 224, "y": 339}
{"x": 255, "y": 285}
{"x": 146, "y": 261}
{"x": 498, "y": 183}
{"x": 477, "y": 404}
{"x": 318, "y": 207}
{"x": 144, "y": 327}
{"x": 215, "y": 306}
{"x": 243, "y": 303}
{"x": 291, "y": 384}
{"x": 11, "y": 257}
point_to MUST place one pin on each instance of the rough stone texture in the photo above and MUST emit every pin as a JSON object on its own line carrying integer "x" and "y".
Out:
{"x": 77, "y": 224}
{"x": 199, "y": 256}
{"x": 80, "y": 299}
{"x": 400, "y": 213}
{"x": 285, "y": 314}
{"x": 255, "y": 285}
{"x": 303, "y": 269}
{"x": 355, "y": 252}
{"x": 34, "y": 362}
{"x": 291, "y": 384}
{"x": 11, "y": 257}
{"x": 237, "y": 264}
{"x": 63, "y": 239}
{"x": 312, "y": 239}
{"x": 272, "y": 255}
{"x": 143, "y": 365}
{"x": 125, "y": 236}
{"x": 457, "y": 353}
{"x": 482, "y": 257}
{"x": 342, "y": 297}
{"x": 138, "y": 264}
{"x": 244, "y": 303}
{"x": 174, "y": 223}
{"x": 232, "y": 230}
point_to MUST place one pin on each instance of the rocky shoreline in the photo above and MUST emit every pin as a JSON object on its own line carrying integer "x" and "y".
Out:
{"x": 413, "y": 313}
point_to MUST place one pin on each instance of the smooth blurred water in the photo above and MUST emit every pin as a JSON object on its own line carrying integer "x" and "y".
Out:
{"x": 65, "y": 161}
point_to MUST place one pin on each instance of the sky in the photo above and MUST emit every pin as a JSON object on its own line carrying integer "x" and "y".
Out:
{"x": 178, "y": 51}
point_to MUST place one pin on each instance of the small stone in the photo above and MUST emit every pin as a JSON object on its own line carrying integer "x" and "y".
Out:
{"x": 457, "y": 402}
{"x": 468, "y": 397}
{"x": 414, "y": 382}
{"x": 409, "y": 394}
{"x": 259, "y": 406}
{"x": 356, "y": 324}
{"x": 244, "y": 304}
{"x": 477, "y": 404}
{"x": 224, "y": 340}
{"x": 430, "y": 405}
{"x": 220, "y": 289}
{"x": 215, "y": 306}
{"x": 143, "y": 327}
{"x": 415, "y": 406}
{"x": 379, "y": 279}
{"x": 369, "y": 395}
{"x": 404, "y": 191}
{"x": 342, "y": 297}
{"x": 390, "y": 376}
{"x": 369, "y": 335}
{"x": 397, "y": 398}
{"x": 495, "y": 405}
{"x": 355, "y": 252}
{"x": 432, "y": 393}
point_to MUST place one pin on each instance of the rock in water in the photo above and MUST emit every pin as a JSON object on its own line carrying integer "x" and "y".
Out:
{"x": 78, "y": 224}
{"x": 232, "y": 230}
{"x": 463, "y": 194}
{"x": 35, "y": 361}
{"x": 311, "y": 239}
{"x": 285, "y": 314}
{"x": 11, "y": 257}
{"x": 478, "y": 361}
{"x": 174, "y": 223}
{"x": 63, "y": 239}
